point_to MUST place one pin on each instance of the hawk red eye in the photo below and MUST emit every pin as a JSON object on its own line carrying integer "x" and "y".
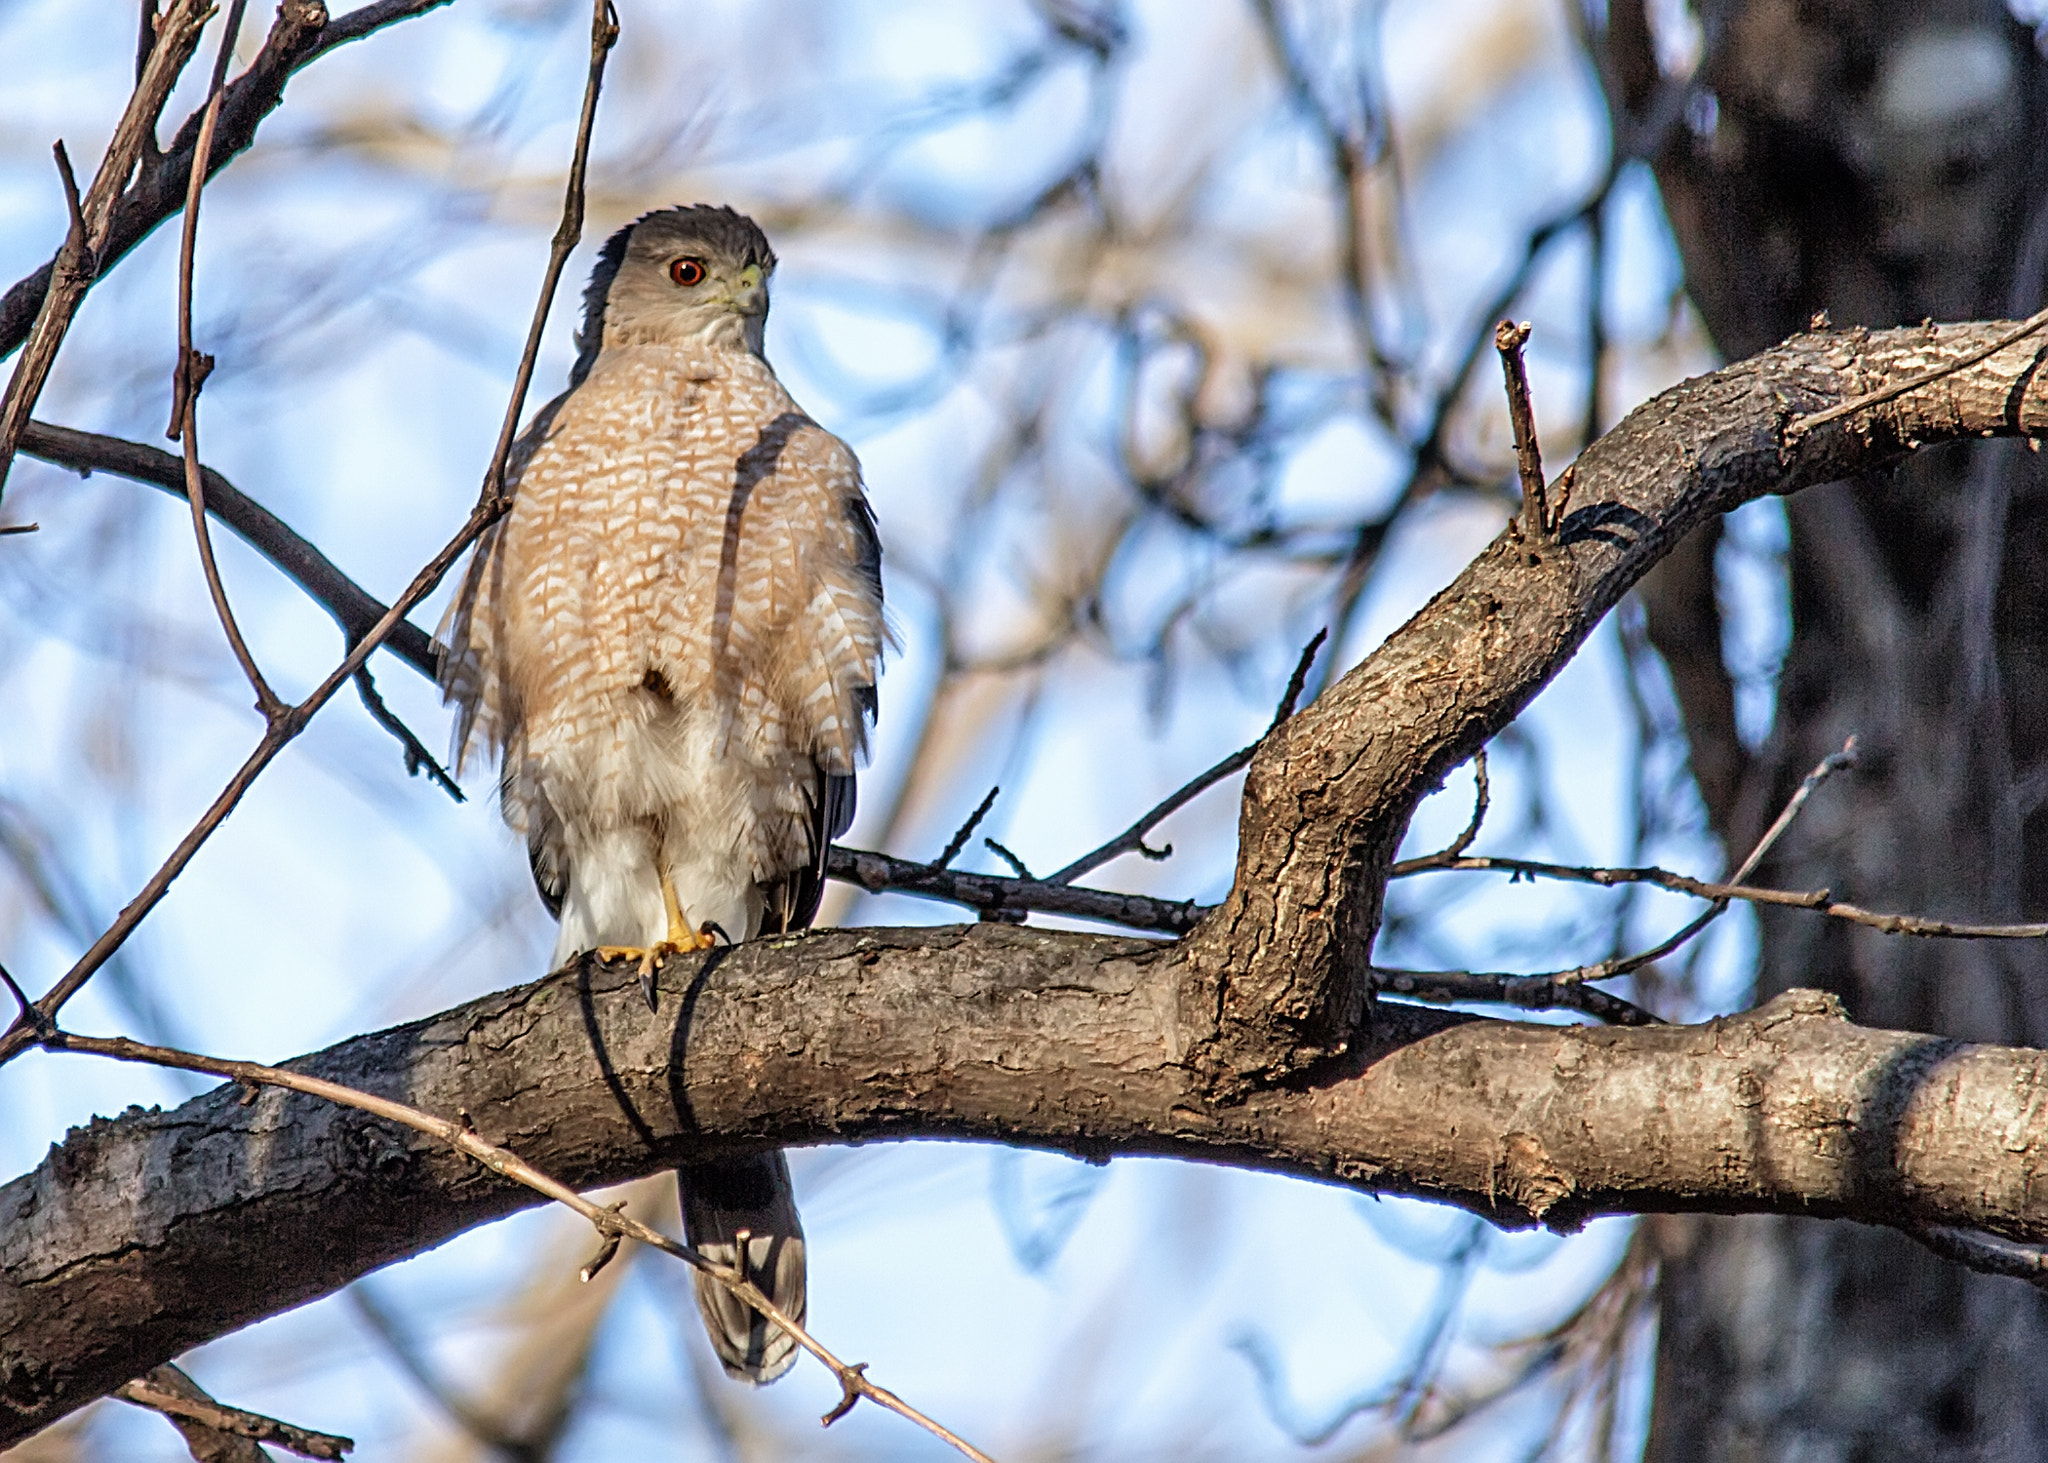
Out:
{"x": 687, "y": 271}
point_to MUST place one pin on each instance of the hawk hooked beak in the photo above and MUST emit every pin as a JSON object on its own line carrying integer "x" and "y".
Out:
{"x": 748, "y": 292}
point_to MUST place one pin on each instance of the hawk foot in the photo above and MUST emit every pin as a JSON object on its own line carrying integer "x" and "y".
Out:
{"x": 679, "y": 941}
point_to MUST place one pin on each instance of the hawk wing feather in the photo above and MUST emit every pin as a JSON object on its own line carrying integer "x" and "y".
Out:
{"x": 793, "y": 901}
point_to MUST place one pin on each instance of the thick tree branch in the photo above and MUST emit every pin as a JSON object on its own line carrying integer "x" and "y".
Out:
{"x": 611, "y": 1222}
{"x": 140, "y": 1237}
{"x": 1279, "y": 977}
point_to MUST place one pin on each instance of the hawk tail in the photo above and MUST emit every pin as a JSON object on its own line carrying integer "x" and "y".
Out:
{"x": 727, "y": 1196}
{"x": 722, "y": 1199}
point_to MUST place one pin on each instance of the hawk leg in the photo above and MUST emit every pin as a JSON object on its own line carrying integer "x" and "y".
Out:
{"x": 681, "y": 936}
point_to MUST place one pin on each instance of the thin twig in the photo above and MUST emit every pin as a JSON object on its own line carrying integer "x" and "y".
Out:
{"x": 8, "y": 528}
{"x": 354, "y": 608}
{"x": 1132, "y": 839}
{"x": 74, "y": 207}
{"x": 1820, "y": 901}
{"x": 2030, "y": 326}
{"x": 1557, "y": 992}
{"x": 24, "y": 1008}
{"x": 191, "y": 372}
{"x": 1481, "y": 794}
{"x": 1549, "y": 989}
{"x": 1297, "y": 680}
{"x": 169, "y": 1391}
{"x": 1009, "y": 858}
{"x": 280, "y": 730}
{"x": 1608, "y": 878}
{"x": 604, "y": 32}
{"x": 966, "y": 830}
{"x": 1508, "y": 339}
{"x": 607, "y": 1251}
{"x": 1829, "y": 765}
{"x": 78, "y": 260}
{"x": 1985, "y": 1253}
{"x": 879, "y": 873}
{"x": 464, "y": 1138}
{"x": 1625, "y": 965}
{"x": 417, "y": 758}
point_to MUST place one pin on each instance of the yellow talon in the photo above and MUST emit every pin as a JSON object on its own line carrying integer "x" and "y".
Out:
{"x": 679, "y": 939}
{"x": 618, "y": 952}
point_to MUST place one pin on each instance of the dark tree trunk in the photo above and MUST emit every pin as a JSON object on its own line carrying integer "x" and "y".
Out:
{"x": 1881, "y": 162}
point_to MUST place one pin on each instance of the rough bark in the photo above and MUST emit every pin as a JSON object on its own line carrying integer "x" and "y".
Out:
{"x": 1881, "y": 163}
{"x": 143, "y": 1236}
{"x": 1277, "y": 976}
{"x": 139, "y": 1237}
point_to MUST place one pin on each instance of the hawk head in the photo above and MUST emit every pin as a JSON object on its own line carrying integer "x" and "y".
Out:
{"x": 678, "y": 275}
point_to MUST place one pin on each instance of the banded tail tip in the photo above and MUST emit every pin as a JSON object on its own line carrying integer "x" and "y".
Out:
{"x": 749, "y": 1346}
{"x": 740, "y": 1213}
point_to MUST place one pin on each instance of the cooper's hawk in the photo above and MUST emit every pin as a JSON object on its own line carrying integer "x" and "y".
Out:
{"x": 671, "y": 642}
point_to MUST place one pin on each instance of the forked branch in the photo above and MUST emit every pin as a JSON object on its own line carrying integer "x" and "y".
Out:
{"x": 208, "y": 1424}
{"x": 78, "y": 260}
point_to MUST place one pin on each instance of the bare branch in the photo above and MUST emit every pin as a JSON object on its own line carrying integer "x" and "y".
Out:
{"x": 1628, "y": 964}
{"x": 880, "y": 873}
{"x": 1560, "y": 992}
{"x": 24, "y": 1008}
{"x": 604, "y": 33}
{"x": 354, "y": 608}
{"x": 1986, "y": 1253}
{"x": 289, "y": 722}
{"x": 1023, "y": 873}
{"x": 1820, "y": 901}
{"x": 609, "y": 1220}
{"x": 966, "y": 830}
{"x": 1034, "y": 1036}
{"x": 191, "y": 373}
{"x": 74, "y": 207}
{"x": 417, "y": 758}
{"x": 1452, "y": 857}
{"x": 1827, "y": 767}
{"x": 79, "y": 260}
{"x": 1508, "y": 339}
{"x": 301, "y": 34}
{"x": 1132, "y": 839}
{"x": 168, "y": 1390}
